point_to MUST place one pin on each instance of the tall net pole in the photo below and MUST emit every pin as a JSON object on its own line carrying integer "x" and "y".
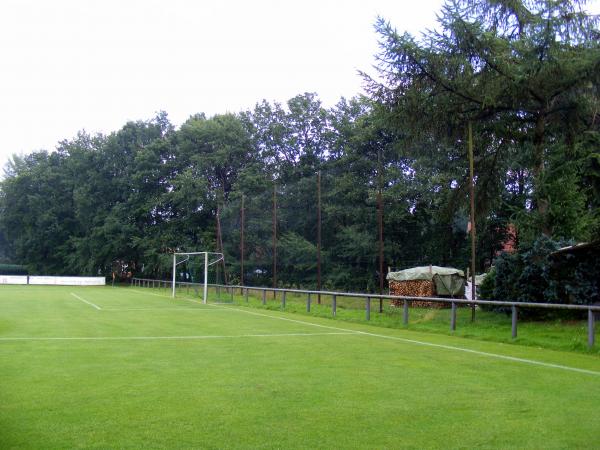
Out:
{"x": 319, "y": 236}
{"x": 242, "y": 243}
{"x": 274, "y": 236}
{"x": 220, "y": 244}
{"x": 380, "y": 222}
{"x": 472, "y": 201}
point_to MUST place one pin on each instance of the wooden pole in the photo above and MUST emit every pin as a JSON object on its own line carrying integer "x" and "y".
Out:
{"x": 274, "y": 236}
{"x": 242, "y": 212}
{"x": 220, "y": 244}
{"x": 319, "y": 236}
{"x": 472, "y": 207}
{"x": 380, "y": 220}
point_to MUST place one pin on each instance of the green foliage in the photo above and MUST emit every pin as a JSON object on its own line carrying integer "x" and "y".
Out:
{"x": 524, "y": 74}
{"x": 13, "y": 269}
{"x": 538, "y": 274}
{"x": 486, "y": 289}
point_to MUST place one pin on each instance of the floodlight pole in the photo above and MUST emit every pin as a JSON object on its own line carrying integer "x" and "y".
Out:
{"x": 174, "y": 271}
{"x": 205, "y": 277}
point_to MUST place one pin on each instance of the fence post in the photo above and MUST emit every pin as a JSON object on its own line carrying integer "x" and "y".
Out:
{"x": 515, "y": 313}
{"x": 308, "y": 303}
{"x": 591, "y": 327}
{"x": 405, "y": 313}
{"x": 246, "y": 294}
{"x": 380, "y": 305}
{"x": 264, "y": 296}
{"x": 453, "y": 317}
{"x": 334, "y": 304}
{"x": 283, "y": 299}
{"x": 368, "y": 310}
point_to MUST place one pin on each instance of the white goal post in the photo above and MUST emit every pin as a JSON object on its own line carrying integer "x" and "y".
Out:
{"x": 210, "y": 258}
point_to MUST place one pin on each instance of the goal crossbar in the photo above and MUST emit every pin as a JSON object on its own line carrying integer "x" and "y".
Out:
{"x": 217, "y": 257}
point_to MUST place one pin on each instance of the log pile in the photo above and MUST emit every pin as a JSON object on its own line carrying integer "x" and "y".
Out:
{"x": 415, "y": 288}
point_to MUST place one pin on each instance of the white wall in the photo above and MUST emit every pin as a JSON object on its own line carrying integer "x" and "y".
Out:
{"x": 13, "y": 279}
{"x": 68, "y": 281}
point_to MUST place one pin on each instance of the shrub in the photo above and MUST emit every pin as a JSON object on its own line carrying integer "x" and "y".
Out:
{"x": 537, "y": 274}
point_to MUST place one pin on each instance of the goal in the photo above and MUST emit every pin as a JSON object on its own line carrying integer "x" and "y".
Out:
{"x": 206, "y": 258}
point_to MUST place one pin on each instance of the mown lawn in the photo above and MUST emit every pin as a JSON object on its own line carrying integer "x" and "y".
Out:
{"x": 557, "y": 334}
{"x": 131, "y": 368}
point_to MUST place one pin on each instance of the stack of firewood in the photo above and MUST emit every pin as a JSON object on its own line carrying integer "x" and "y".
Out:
{"x": 414, "y": 288}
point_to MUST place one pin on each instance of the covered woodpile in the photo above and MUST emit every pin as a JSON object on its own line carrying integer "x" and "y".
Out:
{"x": 427, "y": 281}
{"x": 414, "y": 288}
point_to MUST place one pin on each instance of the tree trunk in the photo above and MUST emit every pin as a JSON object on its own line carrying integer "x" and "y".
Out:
{"x": 541, "y": 199}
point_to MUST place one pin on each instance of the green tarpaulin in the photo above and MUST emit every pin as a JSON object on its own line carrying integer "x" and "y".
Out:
{"x": 448, "y": 281}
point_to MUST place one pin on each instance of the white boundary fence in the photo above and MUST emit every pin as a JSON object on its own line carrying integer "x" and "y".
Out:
{"x": 53, "y": 281}
{"x": 13, "y": 279}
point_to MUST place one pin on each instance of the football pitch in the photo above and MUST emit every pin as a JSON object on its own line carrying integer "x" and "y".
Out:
{"x": 101, "y": 367}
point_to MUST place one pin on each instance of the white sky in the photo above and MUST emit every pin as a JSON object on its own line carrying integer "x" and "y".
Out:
{"x": 68, "y": 65}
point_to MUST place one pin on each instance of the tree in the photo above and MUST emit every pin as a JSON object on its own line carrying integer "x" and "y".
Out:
{"x": 524, "y": 72}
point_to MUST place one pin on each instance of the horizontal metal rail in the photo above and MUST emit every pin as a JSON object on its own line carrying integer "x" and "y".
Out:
{"x": 514, "y": 305}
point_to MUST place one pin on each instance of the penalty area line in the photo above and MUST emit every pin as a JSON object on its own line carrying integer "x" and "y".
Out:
{"x": 155, "y": 338}
{"x": 166, "y": 296}
{"x": 85, "y": 301}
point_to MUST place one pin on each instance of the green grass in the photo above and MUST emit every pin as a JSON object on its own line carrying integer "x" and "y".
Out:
{"x": 566, "y": 335}
{"x": 149, "y": 372}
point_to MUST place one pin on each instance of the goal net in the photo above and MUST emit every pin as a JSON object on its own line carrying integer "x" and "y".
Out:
{"x": 196, "y": 269}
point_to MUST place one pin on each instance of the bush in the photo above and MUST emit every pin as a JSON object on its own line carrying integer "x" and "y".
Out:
{"x": 486, "y": 289}
{"x": 536, "y": 274}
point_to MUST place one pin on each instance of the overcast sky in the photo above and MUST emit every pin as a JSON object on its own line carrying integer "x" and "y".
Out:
{"x": 68, "y": 65}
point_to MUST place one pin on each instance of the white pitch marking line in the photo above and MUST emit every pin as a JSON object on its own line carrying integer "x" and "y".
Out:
{"x": 139, "y": 338}
{"x": 412, "y": 341}
{"x": 149, "y": 293}
{"x": 85, "y": 301}
{"x": 428, "y": 344}
{"x": 160, "y": 309}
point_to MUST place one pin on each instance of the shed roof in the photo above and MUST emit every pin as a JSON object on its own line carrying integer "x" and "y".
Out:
{"x": 423, "y": 273}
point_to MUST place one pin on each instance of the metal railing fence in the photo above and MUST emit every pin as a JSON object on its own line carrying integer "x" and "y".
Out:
{"x": 454, "y": 302}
